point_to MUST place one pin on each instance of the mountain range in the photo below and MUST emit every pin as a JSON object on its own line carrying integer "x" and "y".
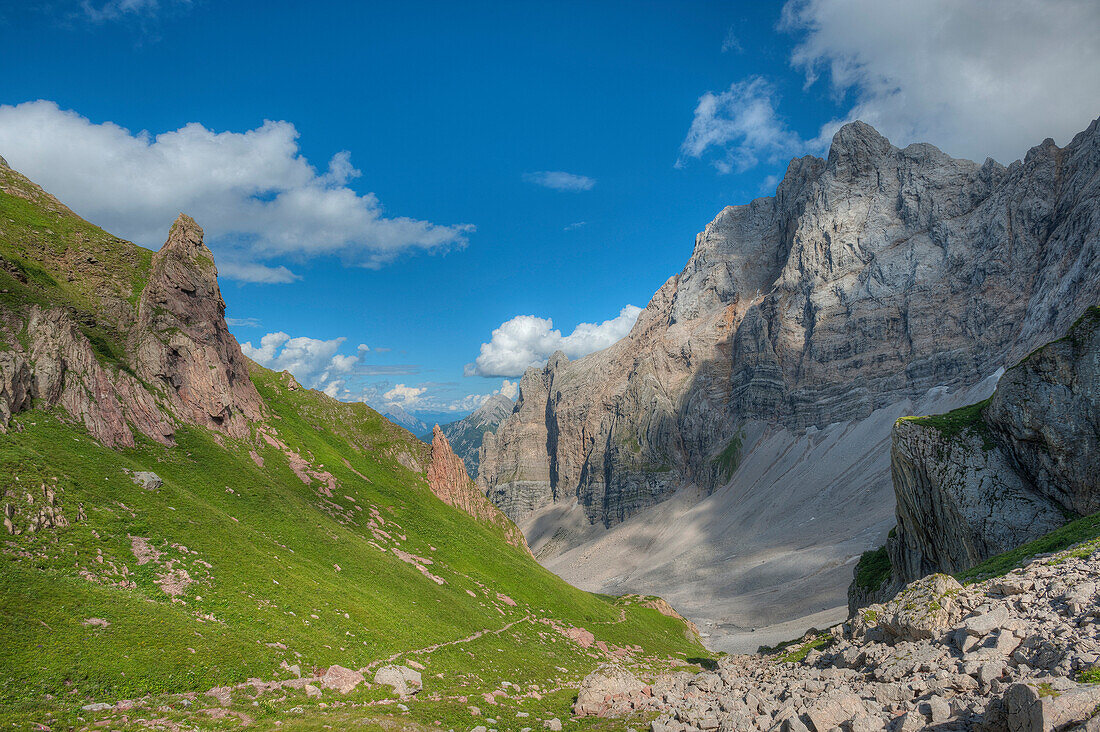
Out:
{"x": 732, "y": 452}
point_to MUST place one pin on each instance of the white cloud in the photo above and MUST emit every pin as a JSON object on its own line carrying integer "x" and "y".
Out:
{"x": 731, "y": 42}
{"x": 744, "y": 123}
{"x": 313, "y": 361}
{"x": 404, "y": 395}
{"x": 255, "y": 272}
{"x": 560, "y": 180}
{"x": 509, "y": 389}
{"x": 243, "y": 322}
{"x": 253, "y": 192}
{"x": 977, "y": 79}
{"x": 575, "y": 225}
{"x": 116, "y": 9}
{"x": 527, "y": 340}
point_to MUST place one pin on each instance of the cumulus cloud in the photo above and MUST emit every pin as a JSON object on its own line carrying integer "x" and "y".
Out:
{"x": 978, "y": 79}
{"x": 988, "y": 78}
{"x": 744, "y": 123}
{"x": 528, "y": 340}
{"x": 404, "y": 395}
{"x": 509, "y": 389}
{"x": 313, "y": 361}
{"x": 560, "y": 180}
{"x": 253, "y": 192}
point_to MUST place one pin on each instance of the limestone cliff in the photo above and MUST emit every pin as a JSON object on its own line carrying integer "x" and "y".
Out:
{"x": 868, "y": 279}
{"x": 450, "y": 482}
{"x": 984, "y": 479}
{"x": 181, "y": 342}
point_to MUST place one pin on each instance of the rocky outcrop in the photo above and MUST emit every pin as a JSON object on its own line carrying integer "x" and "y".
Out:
{"x": 1004, "y": 654}
{"x": 987, "y": 478}
{"x": 450, "y": 482}
{"x": 466, "y": 434}
{"x": 1046, "y": 410}
{"x": 868, "y": 279}
{"x": 182, "y": 344}
{"x": 960, "y": 501}
{"x": 56, "y": 365}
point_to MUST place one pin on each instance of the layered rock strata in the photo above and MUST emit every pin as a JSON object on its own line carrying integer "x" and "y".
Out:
{"x": 869, "y": 278}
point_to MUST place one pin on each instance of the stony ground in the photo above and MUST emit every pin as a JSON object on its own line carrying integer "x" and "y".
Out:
{"x": 1016, "y": 653}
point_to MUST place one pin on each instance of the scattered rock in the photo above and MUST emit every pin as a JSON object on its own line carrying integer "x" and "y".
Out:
{"x": 607, "y": 691}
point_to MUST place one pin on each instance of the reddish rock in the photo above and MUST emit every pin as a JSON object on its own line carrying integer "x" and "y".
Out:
{"x": 181, "y": 340}
{"x": 68, "y": 374}
{"x": 450, "y": 482}
{"x": 580, "y": 636}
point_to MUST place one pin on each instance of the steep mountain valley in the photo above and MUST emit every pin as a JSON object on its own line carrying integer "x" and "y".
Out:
{"x": 843, "y": 474}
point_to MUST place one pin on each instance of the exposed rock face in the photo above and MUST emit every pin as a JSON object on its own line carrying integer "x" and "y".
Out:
{"x": 449, "y": 481}
{"x": 868, "y": 279}
{"x": 61, "y": 369}
{"x": 182, "y": 343}
{"x": 980, "y": 481}
{"x": 960, "y": 501}
{"x": 1047, "y": 410}
{"x": 466, "y": 434}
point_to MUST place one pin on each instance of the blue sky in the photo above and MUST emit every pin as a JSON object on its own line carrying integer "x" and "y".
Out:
{"x": 412, "y": 176}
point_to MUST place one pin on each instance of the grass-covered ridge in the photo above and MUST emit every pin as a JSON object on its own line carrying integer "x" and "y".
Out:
{"x": 279, "y": 572}
{"x": 963, "y": 419}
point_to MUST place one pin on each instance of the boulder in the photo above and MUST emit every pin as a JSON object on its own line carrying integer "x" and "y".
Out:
{"x": 147, "y": 480}
{"x": 924, "y": 609}
{"x": 404, "y": 680}
{"x": 342, "y": 679}
{"x": 607, "y": 691}
{"x": 833, "y": 709}
{"x": 1039, "y": 706}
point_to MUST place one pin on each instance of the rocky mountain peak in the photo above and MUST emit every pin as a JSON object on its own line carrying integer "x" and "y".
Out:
{"x": 181, "y": 339}
{"x": 557, "y": 360}
{"x": 186, "y": 236}
{"x": 868, "y": 280}
{"x": 856, "y": 147}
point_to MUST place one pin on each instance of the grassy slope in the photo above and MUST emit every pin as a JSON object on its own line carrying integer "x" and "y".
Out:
{"x": 50, "y": 256}
{"x": 273, "y": 550}
{"x": 272, "y": 544}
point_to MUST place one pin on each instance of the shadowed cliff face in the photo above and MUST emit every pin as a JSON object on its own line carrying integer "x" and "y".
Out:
{"x": 870, "y": 278}
{"x": 980, "y": 481}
